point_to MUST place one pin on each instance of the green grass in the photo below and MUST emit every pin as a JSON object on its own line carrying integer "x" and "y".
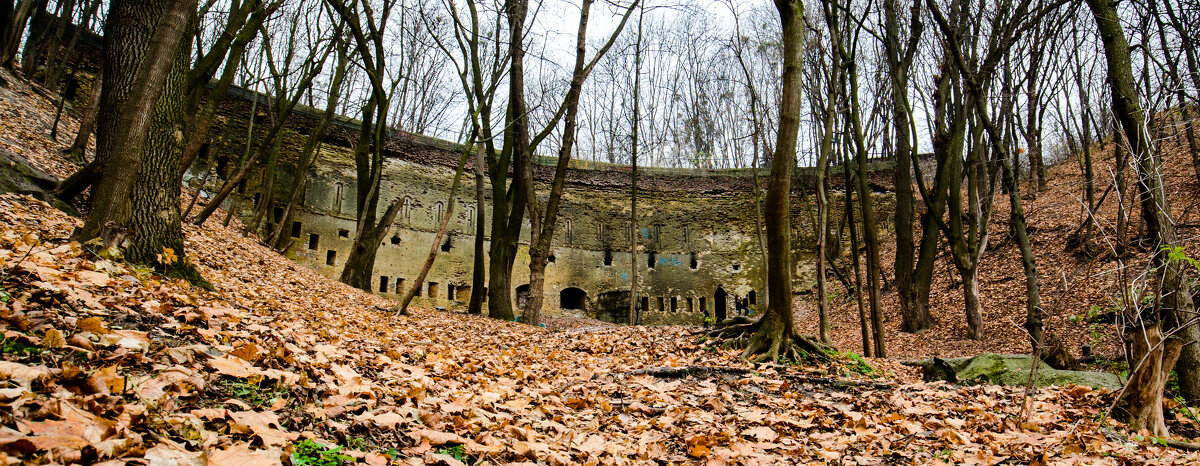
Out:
{"x": 310, "y": 453}
{"x": 251, "y": 393}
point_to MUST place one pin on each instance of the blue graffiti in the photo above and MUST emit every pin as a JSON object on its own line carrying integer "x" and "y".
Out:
{"x": 645, "y": 233}
{"x": 669, "y": 261}
{"x": 624, "y": 277}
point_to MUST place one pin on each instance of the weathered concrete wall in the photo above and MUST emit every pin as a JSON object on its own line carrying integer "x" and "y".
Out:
{"x": 697, "y": 230}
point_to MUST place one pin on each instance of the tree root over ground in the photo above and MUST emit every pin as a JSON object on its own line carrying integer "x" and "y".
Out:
{"x": 742, "y": 332}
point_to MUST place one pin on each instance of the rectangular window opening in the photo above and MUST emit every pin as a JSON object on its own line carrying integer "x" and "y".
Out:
{"x": 650, "y": 260}
{"x": 704, "y": 305}
{"x": 330, "y": 257}
{"x": 296, "y": 229}
{"x": 314, "y": 240}
{"x": 608, "y": 257}
{"x": 399, "y": 285}
{"x": 383, "y": 284}
{"x": 645, "y": 303}
{"x": 661, "y": 307}
{"x": 343, "y": 233}
{"x": 691, "y": 306}
{"x": 450, "y": 292}
{"x": 433, "y": 290}
{"x": 674, "y": 304}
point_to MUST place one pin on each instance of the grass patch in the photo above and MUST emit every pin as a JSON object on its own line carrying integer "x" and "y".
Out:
{"x": 310, "y": 453}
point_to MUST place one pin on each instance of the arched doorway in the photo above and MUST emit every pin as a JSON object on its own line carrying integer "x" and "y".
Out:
{"x": 522, "y": 296}
{"x": 719, "y": 306}
{"x": 572, "y": 298}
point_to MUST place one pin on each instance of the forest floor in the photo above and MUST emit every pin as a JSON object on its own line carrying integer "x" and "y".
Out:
{"x": 107, "y": 363}
{"x": 1074, "y": 285}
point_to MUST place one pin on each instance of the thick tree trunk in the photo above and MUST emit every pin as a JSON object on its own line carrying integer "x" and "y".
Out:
{"x": 776, "y": 332}
{"x": 508, "y": 210}
{"x": 139, "y": 182}
{"x": 1154, "y": 350}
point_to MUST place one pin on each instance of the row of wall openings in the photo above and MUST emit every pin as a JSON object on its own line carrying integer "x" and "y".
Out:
{"x": 651, "y": 260}
{"x": 674, "y": 304}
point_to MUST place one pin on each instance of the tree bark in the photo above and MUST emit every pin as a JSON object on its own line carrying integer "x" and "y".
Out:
{"x": 478, "y": 271}
{"x": 776, "y": 332}
{"x": 1155, "y": 347}
{"x": 138, "y": 181}
{"x": 508, "y": 205}
{"x": 915, "y": 317}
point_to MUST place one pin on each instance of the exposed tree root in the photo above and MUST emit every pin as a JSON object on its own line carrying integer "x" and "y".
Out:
{"x": 741, "y": 332}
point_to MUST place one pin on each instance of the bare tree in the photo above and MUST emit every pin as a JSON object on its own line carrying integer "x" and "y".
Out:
{"x": 773, "y": 336}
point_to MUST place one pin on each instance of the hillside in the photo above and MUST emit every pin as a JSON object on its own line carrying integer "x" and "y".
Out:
{"x": 104, "y": 363}
{"x": 1072, "y": 284}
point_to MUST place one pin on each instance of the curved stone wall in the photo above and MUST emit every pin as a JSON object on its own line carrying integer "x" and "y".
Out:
{"x": 698, "y": 250}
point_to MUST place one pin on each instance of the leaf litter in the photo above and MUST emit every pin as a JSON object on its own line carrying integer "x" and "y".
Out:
{"x": 106, "y": 363}
{"x": 122, "y": 365}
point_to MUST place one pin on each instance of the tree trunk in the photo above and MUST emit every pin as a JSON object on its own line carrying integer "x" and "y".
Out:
{"x": 915, "y": 317}
{"x": 14, "y": 28}
{"x": 633, "y": 160}
{"x": 478, "y": 274}
{"x": 542, "y": 221}
{"x": 268, "y": 145}
{"x": 864, "y": 323}
{"x": 971, "y": 306}
{"x": 822, "y": 173}
{"x": 53, "y": 59}
{"x": 139, "y": 183}
{"x": 508, "y": 205}
{"x": 1154, "y": 350}
{"x": 776, "y": 332}
{"x": 230, "y": 48}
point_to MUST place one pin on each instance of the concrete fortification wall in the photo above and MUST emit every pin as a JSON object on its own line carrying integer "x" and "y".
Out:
{"x": 698, "y": 250}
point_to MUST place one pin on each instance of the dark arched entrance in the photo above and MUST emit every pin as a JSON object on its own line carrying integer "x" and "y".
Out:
{"x": 522, "y": 296}
{"x": 572, "y": 298}
{"x": 719, "y": 305}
